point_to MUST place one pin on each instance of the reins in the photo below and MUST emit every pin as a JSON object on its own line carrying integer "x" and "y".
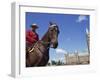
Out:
{"x": 43, "y": 42}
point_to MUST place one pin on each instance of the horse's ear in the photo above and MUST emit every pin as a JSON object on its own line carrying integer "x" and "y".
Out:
{"x": 50, "y": 23}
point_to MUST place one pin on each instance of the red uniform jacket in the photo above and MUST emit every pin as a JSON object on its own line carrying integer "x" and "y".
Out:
{"x": 31, "y": 37}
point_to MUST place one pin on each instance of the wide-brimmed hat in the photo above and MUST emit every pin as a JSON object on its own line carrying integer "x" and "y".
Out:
{"x": 34, "y": 26}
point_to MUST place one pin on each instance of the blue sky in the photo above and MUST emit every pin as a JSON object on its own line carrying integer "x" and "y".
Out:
{"x": 72, "y": 30}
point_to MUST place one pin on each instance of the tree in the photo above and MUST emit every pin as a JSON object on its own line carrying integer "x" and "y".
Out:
{"x": 53, "y": 62}
{"x": 59, "y": 62}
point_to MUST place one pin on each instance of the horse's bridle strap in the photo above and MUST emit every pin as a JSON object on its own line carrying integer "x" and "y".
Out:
{"x": 45, "y": 42}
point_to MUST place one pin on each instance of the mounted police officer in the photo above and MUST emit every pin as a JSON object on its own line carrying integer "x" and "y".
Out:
{"x": 31, "y": 35}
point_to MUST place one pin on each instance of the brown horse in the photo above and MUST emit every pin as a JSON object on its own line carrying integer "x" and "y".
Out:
{"x": 38, "y": 55}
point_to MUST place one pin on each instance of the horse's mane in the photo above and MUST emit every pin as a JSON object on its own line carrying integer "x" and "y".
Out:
{"x": 45, "y": 35}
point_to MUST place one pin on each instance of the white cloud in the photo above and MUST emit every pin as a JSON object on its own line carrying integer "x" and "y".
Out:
{"x": 61, "y": 51}
{"x": 81, "y": 18}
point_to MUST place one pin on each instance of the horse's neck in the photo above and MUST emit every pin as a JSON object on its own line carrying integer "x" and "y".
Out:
{"x": 46, "y": 39}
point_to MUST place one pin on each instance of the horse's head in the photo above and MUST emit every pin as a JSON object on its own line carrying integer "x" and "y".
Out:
{"x": 53, "y": 35}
